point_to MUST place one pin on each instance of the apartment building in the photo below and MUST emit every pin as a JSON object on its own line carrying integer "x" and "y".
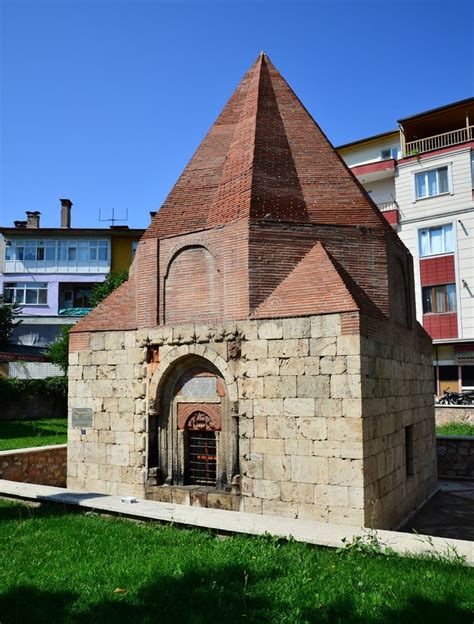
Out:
{"x": 421, "y": 176}
{"x": 50, "y": 272}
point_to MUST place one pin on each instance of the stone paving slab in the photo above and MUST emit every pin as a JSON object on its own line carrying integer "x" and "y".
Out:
{"x": 449, "y": 513}
{"x": 308, "y": 531}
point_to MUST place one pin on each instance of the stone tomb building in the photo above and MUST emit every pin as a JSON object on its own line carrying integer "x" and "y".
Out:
{"x": 264, "y": 355}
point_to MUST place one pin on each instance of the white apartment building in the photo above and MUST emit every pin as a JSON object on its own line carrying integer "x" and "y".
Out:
{"x": 422, "y": 178}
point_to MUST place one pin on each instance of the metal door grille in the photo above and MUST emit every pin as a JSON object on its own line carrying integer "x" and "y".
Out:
{"x": 202, "y": 459}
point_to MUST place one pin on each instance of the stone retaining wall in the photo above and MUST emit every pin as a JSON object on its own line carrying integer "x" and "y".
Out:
{"x": 45, "y": 465}
{"x": 454, "y": 413}
{"x": 456, "y": 457}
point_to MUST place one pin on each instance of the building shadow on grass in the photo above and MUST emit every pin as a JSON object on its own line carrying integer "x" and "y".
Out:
{"x": 194, "y": 599}
{"x": 20, "y": 429}
{"x": 207, "y": 593}
{"x": 38, "y": 509}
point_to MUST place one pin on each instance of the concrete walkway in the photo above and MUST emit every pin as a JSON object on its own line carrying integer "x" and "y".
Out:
{"x": 449, "y": 513}
{"x": 309, "y": 531}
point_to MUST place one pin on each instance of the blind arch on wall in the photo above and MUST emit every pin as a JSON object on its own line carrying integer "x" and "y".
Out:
{"x": 192, "y": 287}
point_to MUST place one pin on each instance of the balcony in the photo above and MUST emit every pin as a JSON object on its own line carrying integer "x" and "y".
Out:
{"x": 439, "y": 141}
{"x": 74, "y": 298}
{"x": 73, "y": 311}
{"x": 390, "y": 212}
{"x": 386, "y": 206}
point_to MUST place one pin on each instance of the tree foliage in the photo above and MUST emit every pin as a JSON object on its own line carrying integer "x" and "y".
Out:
{"x": 9, "y": 313}
{"x": 102, "y": 290}
{"x": 58, "y": 352}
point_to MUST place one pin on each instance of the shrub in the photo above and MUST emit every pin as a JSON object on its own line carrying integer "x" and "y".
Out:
{"x": 58, "y": 351}
{"x": 11, "y": 388}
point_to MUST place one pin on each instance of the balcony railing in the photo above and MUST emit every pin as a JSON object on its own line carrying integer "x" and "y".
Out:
{"x": 385, "y": 206}
{"x": 438, "y": 141}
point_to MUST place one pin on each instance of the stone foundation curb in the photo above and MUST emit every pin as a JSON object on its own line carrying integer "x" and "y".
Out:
{"x": 307, "y": 531}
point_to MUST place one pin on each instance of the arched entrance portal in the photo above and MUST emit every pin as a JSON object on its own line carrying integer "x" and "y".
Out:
{"x": 193, "y": 436}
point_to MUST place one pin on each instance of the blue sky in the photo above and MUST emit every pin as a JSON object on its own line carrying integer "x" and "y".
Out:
{"x": 104, "y": 101}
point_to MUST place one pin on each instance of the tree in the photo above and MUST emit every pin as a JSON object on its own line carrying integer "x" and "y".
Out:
{"x": 58, "y": 352}
{"x": 9, "y": 313}
{"x": 113, "y": 280}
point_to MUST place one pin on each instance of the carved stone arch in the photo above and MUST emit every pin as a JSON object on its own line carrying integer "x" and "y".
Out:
{"x": 173, "y": 357}
{"x": 190, "y": 379}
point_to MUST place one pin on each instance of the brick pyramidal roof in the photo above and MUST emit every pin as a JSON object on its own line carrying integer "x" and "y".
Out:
{"x": 264, "y": 158}
{"x": 287, "y": 228}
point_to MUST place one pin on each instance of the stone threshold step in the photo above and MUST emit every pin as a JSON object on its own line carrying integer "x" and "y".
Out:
{"x": 307, "y": 531}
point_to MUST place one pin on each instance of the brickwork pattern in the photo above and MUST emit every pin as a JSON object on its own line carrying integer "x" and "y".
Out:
{"x": 228, "y": 247}
{"x": 262, "y": 190}
{"x": 192, "y": 276}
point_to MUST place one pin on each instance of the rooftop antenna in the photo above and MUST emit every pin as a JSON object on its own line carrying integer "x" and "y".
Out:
{"x": 113, "y": 219}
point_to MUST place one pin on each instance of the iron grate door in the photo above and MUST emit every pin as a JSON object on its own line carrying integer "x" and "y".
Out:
{"x": 202, "y": 459}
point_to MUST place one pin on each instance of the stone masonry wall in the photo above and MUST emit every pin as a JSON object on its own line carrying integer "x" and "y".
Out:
{"x": 109, "y": 377}
{"x": 397, "y": 387}
{"x": 456, "y": 457}
{"x": 298, "y": 389}
{"x": 44, "y": 465}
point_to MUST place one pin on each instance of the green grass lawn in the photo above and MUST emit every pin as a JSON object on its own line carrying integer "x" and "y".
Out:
{"x": 25, "y": 433}
{"x": 455, "y": 429}
{"x": 60, "y": 566}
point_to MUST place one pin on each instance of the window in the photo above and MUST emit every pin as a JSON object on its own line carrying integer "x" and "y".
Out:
{"x": 26, "y": 293}
{"x": 432, "y": 183}
{"x": 409, "y": 464}
{"x": 200, "y": 454}
{"x": 388, "y": 154}
{"x": 103, "y": 250}
{"x": 436, "y": 240}
{"x": 467, "y": 377}
{"x": 134, "y": 248}
{"x": 438, "y": 299}
{"x": 74, "y": 296}
{"x": 39, "y": 254}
